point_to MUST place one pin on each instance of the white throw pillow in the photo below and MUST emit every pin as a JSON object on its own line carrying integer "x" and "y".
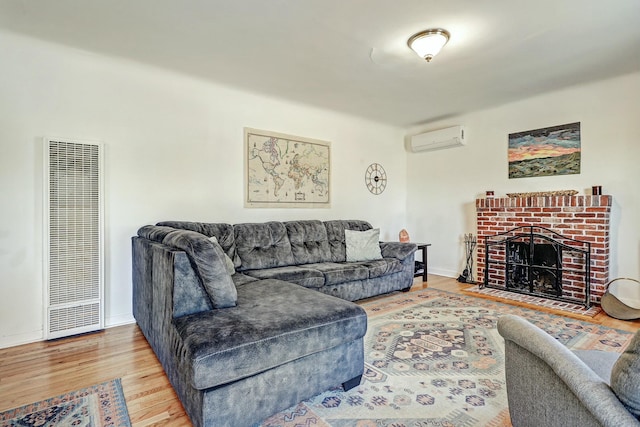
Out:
{"x": 231, "y": 269}
{"x": 362, "y": 245}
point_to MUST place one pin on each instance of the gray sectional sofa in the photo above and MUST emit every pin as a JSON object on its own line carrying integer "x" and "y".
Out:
{"x": 244, "y": 318}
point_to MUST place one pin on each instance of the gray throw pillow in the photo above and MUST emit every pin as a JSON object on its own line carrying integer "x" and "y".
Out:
{"x": 625, "y": 376}
{"x": 231, "y": 269}
{"x": 208, "y": 260}
{"x": 362, "y": 245}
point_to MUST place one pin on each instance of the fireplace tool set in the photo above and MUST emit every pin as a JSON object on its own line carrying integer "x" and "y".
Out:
{"x": 470, "y": 243}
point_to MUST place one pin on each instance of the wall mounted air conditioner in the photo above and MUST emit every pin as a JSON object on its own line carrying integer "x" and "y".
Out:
{"x": 437, "y": 139}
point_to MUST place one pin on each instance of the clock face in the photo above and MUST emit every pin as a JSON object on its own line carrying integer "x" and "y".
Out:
{"x": 376, "y": 178}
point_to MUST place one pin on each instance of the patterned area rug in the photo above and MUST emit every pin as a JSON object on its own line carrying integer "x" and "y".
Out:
{"x": 540, "y": 302}
{"x": 434, "y": 358}
{"x": 101, "y": 405}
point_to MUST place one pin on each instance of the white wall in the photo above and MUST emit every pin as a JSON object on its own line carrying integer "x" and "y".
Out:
{"x": 443, "y": 185}
{"x": 173, "y": 151}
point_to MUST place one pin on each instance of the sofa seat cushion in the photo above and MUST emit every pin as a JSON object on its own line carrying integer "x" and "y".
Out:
{"x": 275, "y": 322}
{"x": 307, "y": 277}
{"x": 335, "y": 273}
{"x": 382, "y": 267}
{"x": 240, "y": 279}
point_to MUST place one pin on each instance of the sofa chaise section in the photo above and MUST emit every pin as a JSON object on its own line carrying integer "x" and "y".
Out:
{"x": 280, "y": 344}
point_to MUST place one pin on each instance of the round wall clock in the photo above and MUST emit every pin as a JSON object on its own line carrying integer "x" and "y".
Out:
{"x": 376, "y": 178}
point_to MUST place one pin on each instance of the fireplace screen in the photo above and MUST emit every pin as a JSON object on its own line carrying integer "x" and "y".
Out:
{"x": 537, "y": 261}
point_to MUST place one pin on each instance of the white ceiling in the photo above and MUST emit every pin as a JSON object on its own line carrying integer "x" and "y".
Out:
{"x": 351, "y": 55}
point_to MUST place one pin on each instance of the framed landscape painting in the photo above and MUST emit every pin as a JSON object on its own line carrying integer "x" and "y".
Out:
{"x": 544, "y": 152}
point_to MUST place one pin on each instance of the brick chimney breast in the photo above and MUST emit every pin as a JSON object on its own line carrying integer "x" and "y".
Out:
{"x": 585, "y": 218}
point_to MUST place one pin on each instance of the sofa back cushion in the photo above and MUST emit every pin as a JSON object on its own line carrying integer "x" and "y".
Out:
{"x": 335, "y": 234}
{"x": 262, "y": 245}
{"x": 207, "y": 259}
{"x": 309, "y": 242}
{"x": 222, "y": 232}
{"x": 154, "y": 233}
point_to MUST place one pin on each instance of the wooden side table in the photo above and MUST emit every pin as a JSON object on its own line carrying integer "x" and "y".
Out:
{"x": 424, "y": 247}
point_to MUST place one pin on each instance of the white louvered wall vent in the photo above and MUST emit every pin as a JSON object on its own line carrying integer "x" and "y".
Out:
{"x": 74, "y": 266}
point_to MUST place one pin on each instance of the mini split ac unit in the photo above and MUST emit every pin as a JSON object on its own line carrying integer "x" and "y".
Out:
{"x": 438, "y": 139}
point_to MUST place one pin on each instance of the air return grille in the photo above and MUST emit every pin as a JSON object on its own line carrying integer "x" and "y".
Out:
{"x": 74, "y": 217}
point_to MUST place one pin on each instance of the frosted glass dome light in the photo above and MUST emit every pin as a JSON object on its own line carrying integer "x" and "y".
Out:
{"x": 428, "y": 43}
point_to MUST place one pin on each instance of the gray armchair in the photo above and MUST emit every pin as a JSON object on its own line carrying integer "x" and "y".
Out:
{"x": 549, "y": 385}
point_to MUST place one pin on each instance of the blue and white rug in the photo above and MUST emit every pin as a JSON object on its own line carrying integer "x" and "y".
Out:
{"x": 101, "y": 405}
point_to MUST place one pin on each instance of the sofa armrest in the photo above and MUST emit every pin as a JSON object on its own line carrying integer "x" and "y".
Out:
{"x": 548, "y": 385}
{"x": 399, "y": 250}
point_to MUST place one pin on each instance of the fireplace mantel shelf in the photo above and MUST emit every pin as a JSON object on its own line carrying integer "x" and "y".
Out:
{"x": 544, "y": 201}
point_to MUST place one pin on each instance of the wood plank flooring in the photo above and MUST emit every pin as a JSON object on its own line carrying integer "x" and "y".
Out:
{"x": 37, "y": 371}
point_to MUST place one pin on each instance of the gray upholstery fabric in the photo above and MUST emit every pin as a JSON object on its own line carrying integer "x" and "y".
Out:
{"x": 208, "y": 261}
{"x": 142, "y": 266}
{"x": 335, "y": 235}
{"x": 250, "y": 401}
{"x": 264, "y": 245}
{"x": 189, "y": 297}
{"x": 228, "y": 262}
{"x": 300, "y": 275}
{"x": 360, "y": 289}
{"x": 549, "y": 386}
{"x": 222, "y": 232}
{"x": 341, "y": 272}
{"x": 309, "y": 242}
{"x": 600, "y": 362}
{"x": 382, "y": 267}
{"x": 241, "y": 403}
{"x": 154, "y": 233}
{"x": 625, "y": 376}
{"x": 274, "y": 322}
{"x": 240, "y": 279}
{"x": 397, "y": 250}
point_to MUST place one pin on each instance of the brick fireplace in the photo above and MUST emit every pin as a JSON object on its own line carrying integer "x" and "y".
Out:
{"x": 584, "y": 218}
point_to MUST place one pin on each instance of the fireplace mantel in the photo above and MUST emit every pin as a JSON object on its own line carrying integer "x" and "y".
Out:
{"x": 544, "y": 202}
{"x": 580, "y": 217}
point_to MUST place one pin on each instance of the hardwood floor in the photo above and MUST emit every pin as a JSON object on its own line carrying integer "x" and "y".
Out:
{"x": 37, "y": 371}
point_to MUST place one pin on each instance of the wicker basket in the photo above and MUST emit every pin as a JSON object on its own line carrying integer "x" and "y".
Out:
{"x": 617, "y": 306}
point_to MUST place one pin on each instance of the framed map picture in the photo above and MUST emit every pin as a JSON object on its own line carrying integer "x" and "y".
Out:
{"x": 286, "y": 171}
{"x": 543, "y": 152}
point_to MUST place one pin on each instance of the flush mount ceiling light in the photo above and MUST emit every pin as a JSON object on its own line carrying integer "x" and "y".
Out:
{"x": 428, "y": 43}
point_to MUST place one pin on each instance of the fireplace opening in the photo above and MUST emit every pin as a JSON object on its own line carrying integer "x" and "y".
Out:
{"x": 534, "y": 268}
{"x": 538, "y": 261}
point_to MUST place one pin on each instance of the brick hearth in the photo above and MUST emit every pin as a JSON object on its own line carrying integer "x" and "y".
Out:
{"x": 583, "y": 218}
